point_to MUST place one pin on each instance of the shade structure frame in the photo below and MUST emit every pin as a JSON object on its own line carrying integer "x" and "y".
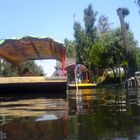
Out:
{"x": 17, "y": 51}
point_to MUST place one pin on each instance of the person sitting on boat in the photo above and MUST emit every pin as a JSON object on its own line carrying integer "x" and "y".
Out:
{"x": 58, "y": 71}
{"x": 25, "y": 72}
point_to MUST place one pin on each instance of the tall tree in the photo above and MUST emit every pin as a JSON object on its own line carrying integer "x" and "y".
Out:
{"x": 122, "y": 12}
{"x": 89, "y": 20}
{"x": 85, "y": 37}
{"x": 108, "y": 51}
{"x": 70, "y": 48}
{"x": 103, "y": 24}
{"x": 78, "y": 41}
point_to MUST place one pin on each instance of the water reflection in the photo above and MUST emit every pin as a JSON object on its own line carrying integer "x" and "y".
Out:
{"x": 87, "y": 101}
{"x": 104, "y": 114}
{"x": 33, "y": 118}
{"x": 97, "y": 114}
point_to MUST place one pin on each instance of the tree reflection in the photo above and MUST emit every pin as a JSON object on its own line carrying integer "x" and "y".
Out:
{"x": 109, "y": 115}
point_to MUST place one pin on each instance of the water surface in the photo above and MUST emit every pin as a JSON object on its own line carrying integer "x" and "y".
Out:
{"x": 89, "y": 114}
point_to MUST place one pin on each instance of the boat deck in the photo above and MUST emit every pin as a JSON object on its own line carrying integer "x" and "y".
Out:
{"x": 82, "y": 85}
{"x": 33, "y": 84}
{"x": 31, "y": 79}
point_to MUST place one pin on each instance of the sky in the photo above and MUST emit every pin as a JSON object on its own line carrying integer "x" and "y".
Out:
{"x": 55, "y": 19}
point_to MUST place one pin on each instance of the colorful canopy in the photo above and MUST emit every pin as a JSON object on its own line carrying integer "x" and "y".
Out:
{"x": 31, "y": 48}
{"x": 71, "y": 67}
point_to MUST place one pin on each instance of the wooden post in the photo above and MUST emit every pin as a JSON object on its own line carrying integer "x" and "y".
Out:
{"x": 19, "y": 70}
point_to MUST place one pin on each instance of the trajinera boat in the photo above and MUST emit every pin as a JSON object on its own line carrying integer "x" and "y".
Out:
{"x": 78, "y": 77}
{"x": 19, "y": 50}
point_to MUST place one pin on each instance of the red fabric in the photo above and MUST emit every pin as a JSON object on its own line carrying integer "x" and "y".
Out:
{"x": 63, "y": 61}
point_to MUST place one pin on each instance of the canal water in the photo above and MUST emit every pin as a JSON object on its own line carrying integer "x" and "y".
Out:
{"x": 89, "y": 114}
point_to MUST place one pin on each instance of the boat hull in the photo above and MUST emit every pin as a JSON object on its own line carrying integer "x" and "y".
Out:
{"x": 32, "y": 85}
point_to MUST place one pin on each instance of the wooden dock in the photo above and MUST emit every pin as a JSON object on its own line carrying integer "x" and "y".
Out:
{"x": 32, "y": 84}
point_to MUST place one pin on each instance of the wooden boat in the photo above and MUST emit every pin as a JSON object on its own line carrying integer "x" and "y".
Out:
{"x": 17, "y": 51}
{"x": 72, "y": 84}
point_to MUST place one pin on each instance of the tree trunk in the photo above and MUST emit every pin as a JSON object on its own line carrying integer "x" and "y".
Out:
{"x": 129, "y": 56}
{"x": 114, "y": 73}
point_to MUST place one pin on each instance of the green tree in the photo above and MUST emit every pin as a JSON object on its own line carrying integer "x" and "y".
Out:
{"x": 70, "y": 48}
{"x": 113, "y": 54}
{"x": 108, "y": 51}
{"x": 8, "y": 69}
{"x": 33, "y": 67}
{"x": 137, "y": 52}
{"x": 85, "y": 37}
{"x": 89, "y": 20}
{"x": 78, "y": 41}
{"x": 122, "y": 12}
{"x": 90, "y": 32}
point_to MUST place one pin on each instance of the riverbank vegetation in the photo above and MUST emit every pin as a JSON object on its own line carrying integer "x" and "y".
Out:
{"x": 111, "y": 54}
{"x": 7, "y": 69}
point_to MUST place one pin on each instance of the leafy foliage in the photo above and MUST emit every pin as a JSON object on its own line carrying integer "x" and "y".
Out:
{"x": 137, "y": 52}
{"x": 85, "y": 37}
{"x": 124, "y": 11}
{"x": 79, "y": 36}
{"x": 132, "y": 67}
{"x": 7, "y": 69}
{"x": 89, "y": 20}
{"x": 33, "y": 67}
{"x": 108, "y": 51}
{"x": 70, "y": 48}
